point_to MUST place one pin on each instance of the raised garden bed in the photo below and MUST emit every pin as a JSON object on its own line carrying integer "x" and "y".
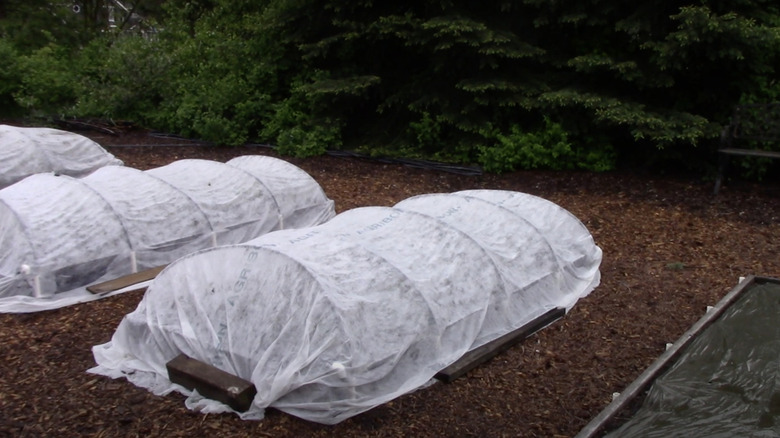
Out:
{"x": 718, "y": 379}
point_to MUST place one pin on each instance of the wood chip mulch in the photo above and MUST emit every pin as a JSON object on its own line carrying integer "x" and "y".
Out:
{"x": 671, "y": 248}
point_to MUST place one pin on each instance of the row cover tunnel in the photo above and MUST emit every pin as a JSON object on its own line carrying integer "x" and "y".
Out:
{"x": 58, "y": 233}
{"x": 332, "y": 320}
{"x": 29, "y": 151}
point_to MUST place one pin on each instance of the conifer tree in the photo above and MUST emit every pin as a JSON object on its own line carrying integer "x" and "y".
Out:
{"x": 455, "y": 78}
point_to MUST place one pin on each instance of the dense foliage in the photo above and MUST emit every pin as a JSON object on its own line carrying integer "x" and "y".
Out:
{"x": 534, "y": 83}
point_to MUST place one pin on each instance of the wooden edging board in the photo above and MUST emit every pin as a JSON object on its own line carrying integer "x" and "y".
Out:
{"x": 643, "y": 382}
{"x": 482, "y": 354}
{"x": 125, "y": 281}
{"x": 238, "y": 393}
{"x": 750, "y": 152}
{"x": 211, "y": 382}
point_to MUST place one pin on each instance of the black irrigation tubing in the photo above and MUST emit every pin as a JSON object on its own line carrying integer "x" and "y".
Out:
{"x": 154, "y": 145}
{"x": 419, "y": 164}
{"x": 415, "y": 163}
{"x": 189, "y": 142}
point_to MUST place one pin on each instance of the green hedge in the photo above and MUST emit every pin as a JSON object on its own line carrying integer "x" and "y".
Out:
{"x": 508, "y": 85}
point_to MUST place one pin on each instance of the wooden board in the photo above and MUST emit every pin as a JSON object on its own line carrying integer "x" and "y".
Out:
{"x": 125, "y": 281}
{"x": 750, "y": 152}
{"x": 211, "y": 382}
{"x": 480, "y": 355}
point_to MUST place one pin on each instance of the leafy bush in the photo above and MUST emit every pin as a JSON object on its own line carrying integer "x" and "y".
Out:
{"x": 123, "y": 77}
{"x": 546, "y": 148}
{"x": 10, "y": 78}
{"x": 426, "y": 133}
{"x": 296, "y": 132}
{"x": 225, "y": 110}
{"x": 223, "y": 72}
{"x": 49, "y": 81}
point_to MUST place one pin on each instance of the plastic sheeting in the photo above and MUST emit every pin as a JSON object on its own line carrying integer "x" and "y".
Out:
{"x": 59, "y": 233}
{"x": 27, "y": 151}
{"x": 330, "y": 321}
{"x": 726, "y": 383}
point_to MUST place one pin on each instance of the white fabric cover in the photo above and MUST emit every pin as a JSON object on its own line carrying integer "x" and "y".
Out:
{"x": 27, "y": 151}
{"x": 60, "y": 233}
{"x": 332, "y": 320}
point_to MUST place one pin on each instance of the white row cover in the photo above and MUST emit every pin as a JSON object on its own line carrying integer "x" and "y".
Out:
{"x": 330, "y": 321}
{"x": 27, "y": 151}
{"x": 59, "y": 233}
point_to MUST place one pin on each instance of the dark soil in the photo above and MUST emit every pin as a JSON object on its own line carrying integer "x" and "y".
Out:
{"x": 671, "y": 248}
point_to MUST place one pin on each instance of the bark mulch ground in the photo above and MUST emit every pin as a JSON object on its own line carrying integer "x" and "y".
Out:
{"x": 671, "y": 248}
